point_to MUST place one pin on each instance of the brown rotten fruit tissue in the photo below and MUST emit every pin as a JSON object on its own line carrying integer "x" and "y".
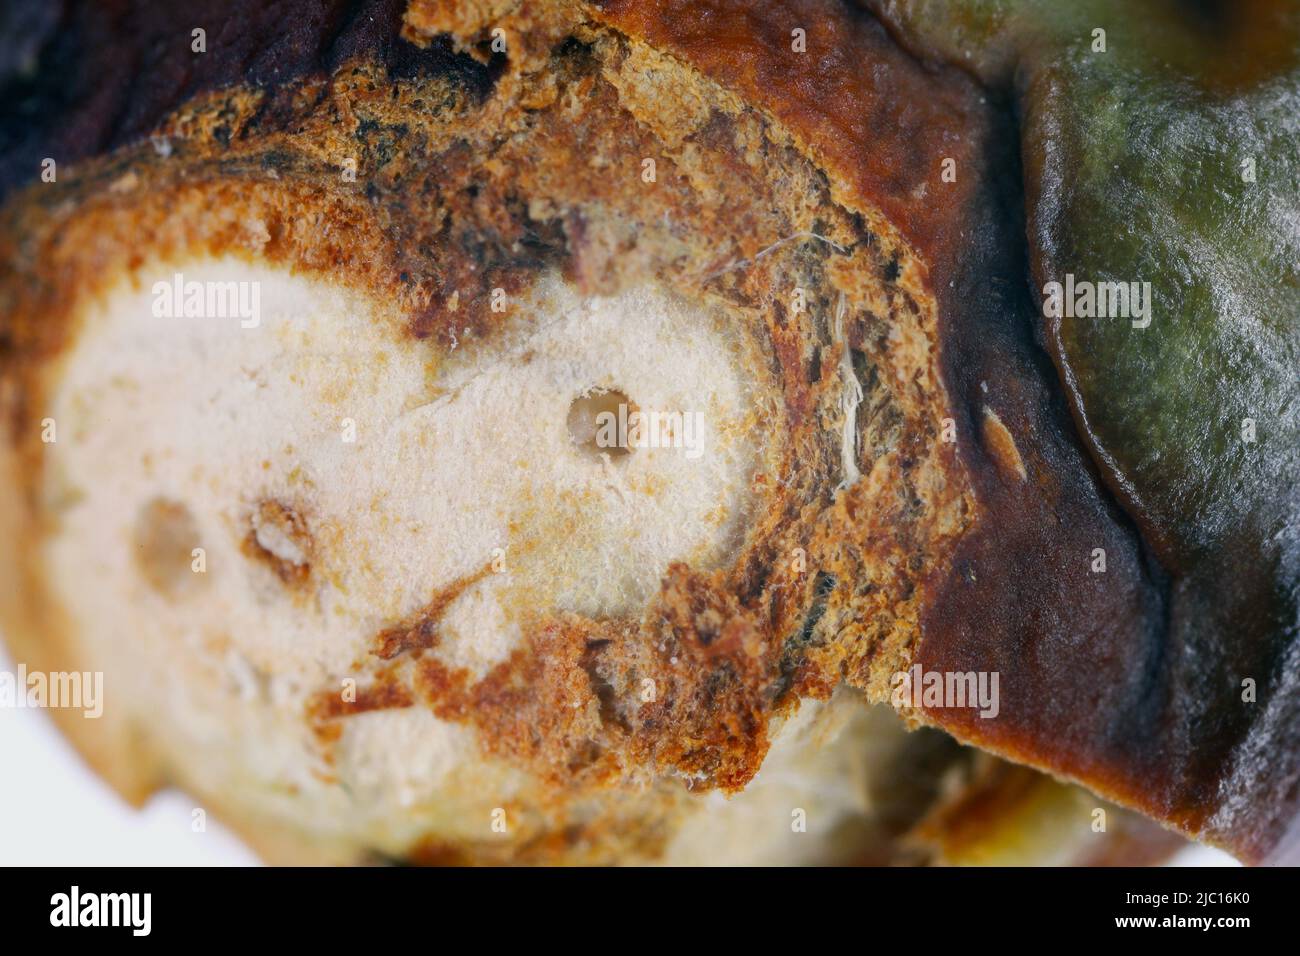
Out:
{"x": 572, "y": 432}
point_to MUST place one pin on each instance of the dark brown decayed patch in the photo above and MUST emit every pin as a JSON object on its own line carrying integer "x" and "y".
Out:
{"x": 420, "y": 631}
{"x": 166, "y": 535}
{"x": 278, "y": 537}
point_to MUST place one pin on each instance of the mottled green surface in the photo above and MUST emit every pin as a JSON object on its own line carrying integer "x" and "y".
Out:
{"x": 1133, "y": 164}
{"x": 1133, "y": 171}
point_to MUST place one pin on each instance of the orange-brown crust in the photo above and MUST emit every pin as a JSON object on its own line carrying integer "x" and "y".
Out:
{"x": 867, "y": 112}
